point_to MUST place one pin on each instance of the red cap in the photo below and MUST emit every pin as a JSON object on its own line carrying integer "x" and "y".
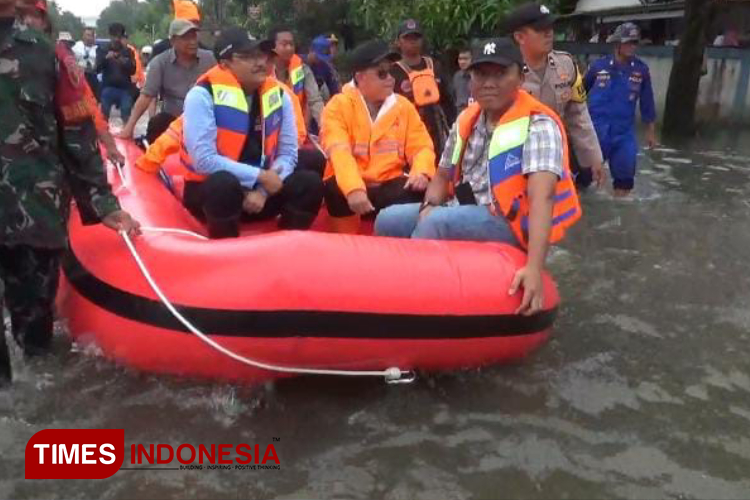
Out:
{"x": 41, "y": 5}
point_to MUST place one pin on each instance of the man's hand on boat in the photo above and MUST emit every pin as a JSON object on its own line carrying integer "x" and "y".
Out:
{"x": 270, "y": 181}
{"x": 254, "y": 202}
{"x": 359, "y": 203}
{"x": 530, "y": 279}
{"x": 120, "y": 220}
{"x": 417, "y": 182}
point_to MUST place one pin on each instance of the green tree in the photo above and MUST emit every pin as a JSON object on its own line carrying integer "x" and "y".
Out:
{"x": 65, "y": 21}
{"x": 144, "y": 21}
{"x": 682, "y": 93}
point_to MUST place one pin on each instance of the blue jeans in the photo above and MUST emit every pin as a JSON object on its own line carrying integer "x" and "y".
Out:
{"x": 463, "y": 222}
{"x": 123, "y": 98}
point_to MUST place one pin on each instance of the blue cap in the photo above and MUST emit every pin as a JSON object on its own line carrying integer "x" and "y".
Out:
{"x": 321, "y": 45}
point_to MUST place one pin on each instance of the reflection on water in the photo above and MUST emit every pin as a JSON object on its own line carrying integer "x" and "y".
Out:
{"x": 643, "y": 393}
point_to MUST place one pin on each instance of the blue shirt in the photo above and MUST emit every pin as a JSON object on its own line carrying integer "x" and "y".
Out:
{"x": 613, "y": 90}
{"x": 200, "y": 133}
{"x": 325, "y": 74}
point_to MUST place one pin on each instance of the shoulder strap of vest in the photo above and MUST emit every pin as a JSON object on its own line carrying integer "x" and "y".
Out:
{"x": 467, "y": 119}
{"x": 403, "y": 66}
{"x": 430, "y": 63}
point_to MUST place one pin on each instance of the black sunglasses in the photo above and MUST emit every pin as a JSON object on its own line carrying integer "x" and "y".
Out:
{"x": 383, "y": 74}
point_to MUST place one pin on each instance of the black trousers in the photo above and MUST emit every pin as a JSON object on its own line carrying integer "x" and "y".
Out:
{"x": 311, "y": 159}
{"x": 218, "y": 201}
{"x": 384, "y": 195}
{"x": 93, "y": 82}
{"x": 583, "y": 176}
{"x": 28, "y": 286}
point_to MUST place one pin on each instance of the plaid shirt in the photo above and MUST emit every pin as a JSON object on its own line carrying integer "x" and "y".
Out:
{"x": 542, "y": 152}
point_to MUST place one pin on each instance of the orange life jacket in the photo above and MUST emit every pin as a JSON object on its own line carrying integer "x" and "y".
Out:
{"x": 185, "y": 9}
{"x": 297, "y": 79}
{"x": 504, "y": 167}
{"x": 166, "y": 145}
{"x": 423, "y": 83}
{"x": 232, "y": 114}
{"x": 139, "y": 77}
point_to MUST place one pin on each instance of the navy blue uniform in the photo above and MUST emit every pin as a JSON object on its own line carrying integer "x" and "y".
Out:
{"x": 613, "y": 90}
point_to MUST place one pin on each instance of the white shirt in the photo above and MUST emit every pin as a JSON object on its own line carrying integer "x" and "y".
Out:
{"x": 81, "y": 51}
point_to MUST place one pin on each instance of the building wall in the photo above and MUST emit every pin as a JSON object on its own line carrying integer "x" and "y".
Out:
{"x": 724, "y": 93}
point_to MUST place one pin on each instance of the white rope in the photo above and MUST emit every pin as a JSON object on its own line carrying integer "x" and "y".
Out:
{"x": 185, "y": 232}
{"x": 391, "y": 375}
{"x": 121, "y": 173}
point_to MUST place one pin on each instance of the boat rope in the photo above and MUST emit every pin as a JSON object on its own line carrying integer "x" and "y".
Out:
{"x": 391, "y": 375}
{"x": 184, "y": 232}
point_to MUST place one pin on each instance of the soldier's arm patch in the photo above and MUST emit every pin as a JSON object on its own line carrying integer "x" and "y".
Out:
{"x": 578, "y": 90}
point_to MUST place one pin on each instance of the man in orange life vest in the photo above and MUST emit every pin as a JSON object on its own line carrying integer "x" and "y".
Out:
{"x": 240, "y": 144}
{"x": 420, "y": 80}
{"x": 504, "y": 175}
{"x": 372, "y": 137}
{"x": 291, "y": 70}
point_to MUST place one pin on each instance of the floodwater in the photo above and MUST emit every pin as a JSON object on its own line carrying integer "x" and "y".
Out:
{"x": 644, "y": 392}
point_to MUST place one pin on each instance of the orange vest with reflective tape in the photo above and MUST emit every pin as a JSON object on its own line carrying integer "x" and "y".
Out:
{"x": 297, "y": 79}
{"x": 232, "y": 114}
{"x": 423, "y": 83}
{"x": 507, "y": 180}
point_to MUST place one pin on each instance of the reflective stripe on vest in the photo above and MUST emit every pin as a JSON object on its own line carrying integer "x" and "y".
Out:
{"x": 505, "y": 167}
{"x": 297, "y": 77}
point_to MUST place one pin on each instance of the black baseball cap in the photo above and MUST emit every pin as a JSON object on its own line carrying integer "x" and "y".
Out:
{"x": 409, "y": 27}
{"x": 117, "y": 29}
{"x": 236, "y": 40}
{"x": 532, "y": 14}
{"x": 372, "y": 53}
{"x": 500, "y": 51}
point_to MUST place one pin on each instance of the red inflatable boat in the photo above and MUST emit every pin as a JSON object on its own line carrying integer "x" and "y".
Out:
{"x": 290, "y": 298}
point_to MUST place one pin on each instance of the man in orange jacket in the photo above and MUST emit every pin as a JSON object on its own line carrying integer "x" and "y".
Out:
{"x": 504, "y": 175}
{"x": 379, "y": 151}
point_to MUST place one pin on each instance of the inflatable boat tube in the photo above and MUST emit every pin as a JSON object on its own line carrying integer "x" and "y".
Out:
{"x": 294, "y": 298}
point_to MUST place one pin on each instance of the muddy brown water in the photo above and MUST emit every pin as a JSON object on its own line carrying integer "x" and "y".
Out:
{"x": 644, "y": 391}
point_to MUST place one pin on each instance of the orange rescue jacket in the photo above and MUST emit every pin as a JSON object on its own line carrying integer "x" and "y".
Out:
{"x": 507, "y": 180}
{"x": 139, "y": 77}
{"x": 361, "y": 151}
{"x": 232, "y": 115}
{"x": 169, "y": 142}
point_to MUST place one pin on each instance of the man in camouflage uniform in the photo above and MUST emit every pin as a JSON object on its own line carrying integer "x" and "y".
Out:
{"x": 552, "y": 77}
{"x": 42, "y": 164}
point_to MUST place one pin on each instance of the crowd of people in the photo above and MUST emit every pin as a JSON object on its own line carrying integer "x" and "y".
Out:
{"x": 262, "y": 131}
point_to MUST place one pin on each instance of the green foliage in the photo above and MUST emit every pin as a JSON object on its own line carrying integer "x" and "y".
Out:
{"x": 144, "y": 21}
{"x": 447, "y": 23}
{"x": 65, "y": 21}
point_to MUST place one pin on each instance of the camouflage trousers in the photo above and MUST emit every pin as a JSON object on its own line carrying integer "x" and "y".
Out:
{"x": 28, "y": 285}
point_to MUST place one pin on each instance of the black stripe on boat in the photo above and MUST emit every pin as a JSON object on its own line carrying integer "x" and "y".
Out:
{"x": 322, "y": 324}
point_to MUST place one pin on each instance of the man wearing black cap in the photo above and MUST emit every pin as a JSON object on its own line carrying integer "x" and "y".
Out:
{"x": 117, "y": 65}
{"x": 419, "y": 80}
{"x": 372, "y": 137}
{"x": 240, "y": 144}
{"x": 552, "y": 77}
{"x": 503, "y": 176}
